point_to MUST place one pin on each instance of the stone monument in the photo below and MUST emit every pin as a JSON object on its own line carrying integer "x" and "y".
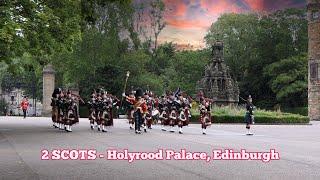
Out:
{"x": 48, "y": 87}
{"x": 217, "y": 82}
{"x": 313, "y": 7}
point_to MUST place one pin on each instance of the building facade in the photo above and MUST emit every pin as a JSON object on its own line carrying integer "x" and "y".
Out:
{"x": 313, "y": 7}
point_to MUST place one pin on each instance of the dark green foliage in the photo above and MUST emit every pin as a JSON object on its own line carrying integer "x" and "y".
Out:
{"x": 297, "y": 110}
{"x": 289, "y": 119}
{"x": 39, "y": 28}
{"x": 289, "y": 80}
{"x": 253, "y": 42}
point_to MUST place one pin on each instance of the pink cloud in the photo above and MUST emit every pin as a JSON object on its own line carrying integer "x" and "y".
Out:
{"x": 217, "y": 7}
{"x": 271, "y": 5}
{"x": 175, "y": 8}
{"x": 256, "y": 5}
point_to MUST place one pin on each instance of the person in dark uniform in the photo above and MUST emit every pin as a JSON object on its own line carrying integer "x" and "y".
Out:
{"x": 205, "y": 114}
{"x": 129, "y": 103}
{"x": 54, "y": 103}
{"x": 92, "y": 109}
{"x": 249, "y": 118}
{"x": 140, "y": 109}
{"x": 163, "y": 117}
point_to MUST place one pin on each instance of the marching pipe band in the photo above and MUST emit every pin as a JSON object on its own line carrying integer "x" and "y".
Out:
{"x": 65, "y": 110}
{"x": 143, "y": 110}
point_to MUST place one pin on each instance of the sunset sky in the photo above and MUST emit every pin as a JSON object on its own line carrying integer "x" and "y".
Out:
{"x": 189, "y": 20}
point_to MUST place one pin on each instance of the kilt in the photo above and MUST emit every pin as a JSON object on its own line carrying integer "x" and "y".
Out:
{"x": 202, "y": 119}
{"x": 110, "y": 120}
{"x": 130, "y": 116}
{"x": 71, "y": 117}
{"x": 173, "y": 119}
{"x": 55, "y": 114}
{"x": 165, "y": 121}
{"x": 248, "y": 118}
{"x": 183, "y": 122}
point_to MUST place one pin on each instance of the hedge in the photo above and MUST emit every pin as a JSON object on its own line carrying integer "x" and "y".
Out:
{"x": 284, "y": 119}
{"x": 297, "y": 110}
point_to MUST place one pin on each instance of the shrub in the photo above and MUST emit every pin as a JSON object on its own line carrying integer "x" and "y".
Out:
{"x": 236, "y": 115}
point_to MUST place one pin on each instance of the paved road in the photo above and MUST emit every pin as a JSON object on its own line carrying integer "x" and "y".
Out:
{"x": 21, "y": 142}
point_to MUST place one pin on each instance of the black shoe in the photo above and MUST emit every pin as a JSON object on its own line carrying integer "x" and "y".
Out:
{"x": 138, "y": 132}
{"x": 180, "y": 132}
{"x": 104, "y": 130}
{"x": 172, "y": 131}
{"x": 145, "y": 130}
{"x": 99, "y": 129}
{"x": 204, "y": 133}
{"x": 131, "y": 128}
{"x": 92, "y": 128}
{"x": 163, "y": 129}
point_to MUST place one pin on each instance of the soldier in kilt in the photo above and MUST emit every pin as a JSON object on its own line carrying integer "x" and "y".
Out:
{"x": 92, "y": 106}
{"x": 71, "y": 112}
{"x": 99, "y": 110}
{"x": 148, "y": 120}
{"x": 107, "y": 115}
{"x": 184, "y": 113}
{"x": 249, "y": 118}
{"x": 205, "y": 114}
{"x": 55, "y": 110}
{"x": 140, "y": 109}
{"x": 61, "y": 108}
{"x": 173, "y": 115}
{"x": 129, "y": 103}
{"x": 164, "y": 113}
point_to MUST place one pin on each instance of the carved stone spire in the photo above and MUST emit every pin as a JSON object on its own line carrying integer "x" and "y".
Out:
{"x": 217, "y": 82}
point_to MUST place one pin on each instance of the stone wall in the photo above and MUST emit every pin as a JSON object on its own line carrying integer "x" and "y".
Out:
{"x": 48, "y": 87}
{"x": 313, "y": 7}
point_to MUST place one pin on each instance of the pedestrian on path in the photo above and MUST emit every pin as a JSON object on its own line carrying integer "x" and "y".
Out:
{"x": 24, "y": 106}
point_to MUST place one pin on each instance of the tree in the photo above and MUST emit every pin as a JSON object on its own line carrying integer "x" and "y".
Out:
{"x": 289, "y": 79}
{"x": 253, "y": 41}
{"x": 39, "y": 28}
{"x": 157, "y": 21}
{"x": 148, "y": 23}
{"x": 186, "y": 68}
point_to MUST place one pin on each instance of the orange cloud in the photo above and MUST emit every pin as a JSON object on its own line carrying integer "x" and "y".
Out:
{"x": 190, "y": 24}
